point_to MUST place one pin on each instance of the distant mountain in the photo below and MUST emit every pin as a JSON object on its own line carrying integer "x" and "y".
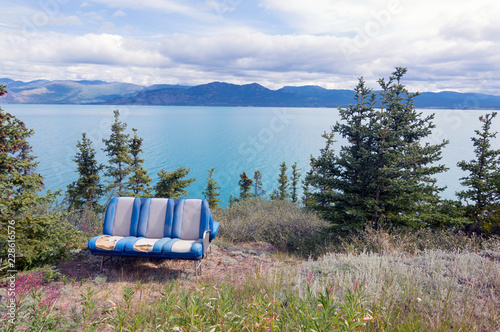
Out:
{"x": 214, "y": 94}
{"x": 456, "y": 100}
{"x": 64, "y": 92}
{"x": 226, "y": 94}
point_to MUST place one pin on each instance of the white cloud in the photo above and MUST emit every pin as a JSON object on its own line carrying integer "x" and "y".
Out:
{"x": 325, "y": 16}
{"x": 119, "y": 13}
{"x": 66, "y": 20}
{"x": 107, "y": 27}
{"x": 446, "y": 45}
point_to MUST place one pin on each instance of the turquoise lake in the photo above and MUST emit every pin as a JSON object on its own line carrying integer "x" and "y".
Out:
{"x": 229, "y": 139}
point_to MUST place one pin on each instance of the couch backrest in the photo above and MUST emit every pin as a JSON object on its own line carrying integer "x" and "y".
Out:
{"x": 122, "y": 216}
{"x": 191, "y": 219}
{"x": 156, "y": 218}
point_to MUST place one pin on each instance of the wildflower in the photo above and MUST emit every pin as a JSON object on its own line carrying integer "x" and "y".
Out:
{"x": 419, "y": 299}
{"x": 51, "y": 297}
{"x": 309, "y": 278}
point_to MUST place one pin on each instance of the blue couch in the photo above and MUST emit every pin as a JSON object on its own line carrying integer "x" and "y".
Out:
{"x": 156, "y": 227}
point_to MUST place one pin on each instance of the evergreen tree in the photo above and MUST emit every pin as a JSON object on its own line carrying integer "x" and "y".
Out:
{"x": 295, "y": 182}
{"x": 210, "y": 191}
{"x": 233, "y": 200}
{"x": 257, "y": 183}
{"x": 117, "y": 149}
{"x": 245, "y": 186}
{"x": 41, "y": 236}
{"x": 384, "y": 172}
{"x": 139, "y": 181}
{"x": 19, "y": 185}
{"x": 87, "y": 190}
{"x": 282, "y": 192}
{"x": 319, "y": 185}
{"x": 483, "y": 179}
{"x": 307, "y": 195}
{"x": 173, "y": 184}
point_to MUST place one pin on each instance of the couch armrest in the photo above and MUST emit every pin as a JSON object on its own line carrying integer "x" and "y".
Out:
{"x": 206, "y": 242}
{"x": 215, "y": 229}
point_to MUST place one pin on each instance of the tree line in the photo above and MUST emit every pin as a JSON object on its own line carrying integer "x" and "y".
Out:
{"x": 383, "y": 175}
{"x": 127, "y": 176}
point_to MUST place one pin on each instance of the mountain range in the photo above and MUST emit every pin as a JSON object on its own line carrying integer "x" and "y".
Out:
{"x": 213, "y": 94}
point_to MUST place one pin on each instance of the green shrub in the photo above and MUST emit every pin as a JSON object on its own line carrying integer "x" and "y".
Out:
{"x": 280, "y": 223}
{"x": 42, "y": 235}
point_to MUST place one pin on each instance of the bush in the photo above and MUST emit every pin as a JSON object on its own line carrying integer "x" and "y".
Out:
{"x": 280, "y": 223}
{"x": 42, "y": 235}
{"x": 86, "y": 220}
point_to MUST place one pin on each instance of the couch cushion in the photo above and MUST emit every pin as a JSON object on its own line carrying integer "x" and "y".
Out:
{"x": 191, "y": 219}
{"x": 123, "y": 216}
{"x": 101, "y": 245}
{"x": 107, "y": 242}
{"x": 183, "y": 246}
{"x": 145, "y": 244}
{"x": 183, "y": 249}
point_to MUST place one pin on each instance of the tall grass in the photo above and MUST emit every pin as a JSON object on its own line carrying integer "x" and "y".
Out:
{"x": 435, "y": 290}
{"x": 431, "y": 290}
{"x": 413, "y": 241}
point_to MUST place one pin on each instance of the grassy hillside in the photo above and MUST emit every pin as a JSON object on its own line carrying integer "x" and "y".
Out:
{"x": 374, "y": 281}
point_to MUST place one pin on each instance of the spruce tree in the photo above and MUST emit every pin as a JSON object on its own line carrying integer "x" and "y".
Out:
{"x": 482, "y": 195}
{"x": 41, "y": 235}
{"x": 87, "y": 190}
{"x": 19, "y": 184}
{"x": 307, "y": 195}
{"x": 139, "y": 181}
{"x": 210, "y": 192}
{"x": 233, "y": 200}
{"x": 318, "y": 184}
{"x": 384, "y": 172}
{"x": 245, "y": 184}
{"x": 120, "y": 160}
{"x": 282, "y": 192}
{"x": 257, "y": 183}
{"x": 295, "y": 181}
{"x": 173, "y": 184}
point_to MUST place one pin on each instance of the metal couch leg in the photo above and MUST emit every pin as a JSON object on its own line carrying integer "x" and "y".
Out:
{"x": 102, "y": 262}
{"x": 197, "y": 267}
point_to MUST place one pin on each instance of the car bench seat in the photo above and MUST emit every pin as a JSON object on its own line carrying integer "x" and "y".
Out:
{"x": 157, "y": 227}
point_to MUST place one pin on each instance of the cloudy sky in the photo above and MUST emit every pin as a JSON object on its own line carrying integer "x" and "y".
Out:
{"x": 446, "y": 44}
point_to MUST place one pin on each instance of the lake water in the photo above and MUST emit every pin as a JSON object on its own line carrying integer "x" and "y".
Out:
{"x": 229, "y": 139}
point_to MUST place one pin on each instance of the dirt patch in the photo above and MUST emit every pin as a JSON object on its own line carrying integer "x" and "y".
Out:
{"x": 225, "y": 262}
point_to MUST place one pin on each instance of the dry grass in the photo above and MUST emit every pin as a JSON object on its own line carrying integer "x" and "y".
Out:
{"x": 434, "y": 290}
